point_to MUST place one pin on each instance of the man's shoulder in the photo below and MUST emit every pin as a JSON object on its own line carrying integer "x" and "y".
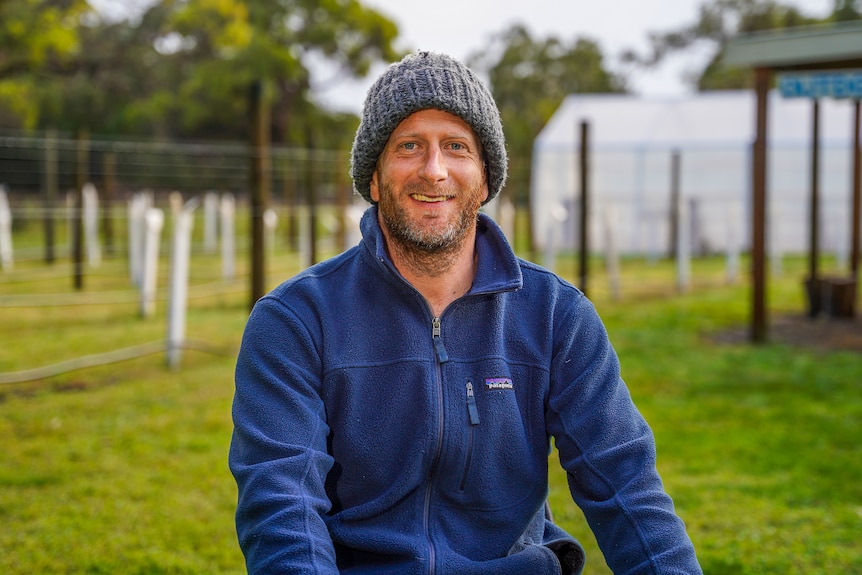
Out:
{"x": 322, "y": 278}
{"x": 539, "y": 277}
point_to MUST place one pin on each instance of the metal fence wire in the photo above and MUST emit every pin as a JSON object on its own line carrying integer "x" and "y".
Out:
{"x": 45, "y": 162}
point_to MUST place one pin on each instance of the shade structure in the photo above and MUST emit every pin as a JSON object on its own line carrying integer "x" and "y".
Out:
{"x": 813, "y": 49}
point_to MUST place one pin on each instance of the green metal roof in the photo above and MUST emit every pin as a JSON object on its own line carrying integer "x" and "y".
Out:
{"x": 809, "y": 47}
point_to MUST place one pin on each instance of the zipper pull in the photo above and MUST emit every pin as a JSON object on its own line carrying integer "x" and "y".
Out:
{"x": 442, "y": 355}
{"x": 472, "y": 409}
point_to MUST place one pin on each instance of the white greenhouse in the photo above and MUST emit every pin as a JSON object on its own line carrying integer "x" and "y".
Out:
{"x": 632, "y": 142}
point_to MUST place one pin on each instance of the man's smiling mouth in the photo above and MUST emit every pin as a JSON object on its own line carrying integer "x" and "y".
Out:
{"x": 430, "y": 199}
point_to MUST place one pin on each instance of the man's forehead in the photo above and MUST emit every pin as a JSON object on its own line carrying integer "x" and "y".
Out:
{"x": 434, "y": 120}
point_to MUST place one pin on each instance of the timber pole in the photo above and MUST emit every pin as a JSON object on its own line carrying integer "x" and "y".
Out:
{"x": 50, "y": 192}
{"x": 674, "y": 204}
{"x": 82, "y": 174}
{"x": 758, "y": 211}
{"x": 109, "y": 163}
{"x": 583, "y": 260}
{"x": 814, "y": 211}
{"x": 311, "y": 195}
{"x": 857, "y": 195}
{"x": 259, "y": 185}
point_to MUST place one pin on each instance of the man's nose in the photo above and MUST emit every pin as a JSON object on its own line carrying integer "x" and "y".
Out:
{"x": 434, "y": 167}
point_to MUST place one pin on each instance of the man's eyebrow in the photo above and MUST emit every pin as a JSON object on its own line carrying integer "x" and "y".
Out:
{"x": 473, "y": 141}
{"x": 449, "y": 135}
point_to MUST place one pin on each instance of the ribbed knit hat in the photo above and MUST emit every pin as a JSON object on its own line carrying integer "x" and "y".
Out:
{"x": 422, "y": 81}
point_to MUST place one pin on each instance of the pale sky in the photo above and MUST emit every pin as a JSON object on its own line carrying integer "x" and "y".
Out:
{"x": 462, "y": 27}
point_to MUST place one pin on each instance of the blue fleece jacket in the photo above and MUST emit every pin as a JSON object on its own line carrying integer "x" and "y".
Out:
{"x": 371, "y": 437}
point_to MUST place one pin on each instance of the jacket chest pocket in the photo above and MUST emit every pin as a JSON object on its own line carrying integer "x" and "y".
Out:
{"x": 473, "y": 420}
{"x": 497, "y": 449}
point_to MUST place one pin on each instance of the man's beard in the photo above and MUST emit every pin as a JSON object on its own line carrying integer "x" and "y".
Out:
{"x": 431, "y": 248}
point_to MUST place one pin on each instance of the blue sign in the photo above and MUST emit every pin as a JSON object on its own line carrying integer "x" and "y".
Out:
{"x": 838, "y": 84}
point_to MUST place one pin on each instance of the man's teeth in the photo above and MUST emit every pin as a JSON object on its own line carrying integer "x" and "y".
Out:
{"x": 424, "y": 198}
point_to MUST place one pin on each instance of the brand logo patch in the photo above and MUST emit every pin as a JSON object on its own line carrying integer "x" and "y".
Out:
{"x": 498, "y": 383}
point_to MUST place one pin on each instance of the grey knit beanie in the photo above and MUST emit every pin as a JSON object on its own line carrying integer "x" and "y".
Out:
{"x": 423, "y": 81}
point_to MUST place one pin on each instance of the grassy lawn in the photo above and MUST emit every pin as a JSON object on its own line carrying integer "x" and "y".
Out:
{"x": 123, "y": 468}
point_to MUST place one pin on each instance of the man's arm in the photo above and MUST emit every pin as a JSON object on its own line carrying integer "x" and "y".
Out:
{"x": 278, "y": 449}
{"x": 608, "y": 451}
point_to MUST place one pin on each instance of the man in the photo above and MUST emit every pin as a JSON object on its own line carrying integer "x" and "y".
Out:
{"x": 394, "y": 405}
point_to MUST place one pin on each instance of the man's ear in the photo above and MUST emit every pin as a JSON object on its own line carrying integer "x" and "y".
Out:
{"x": 374, "y": 187}
{"x": 485, "y": 183}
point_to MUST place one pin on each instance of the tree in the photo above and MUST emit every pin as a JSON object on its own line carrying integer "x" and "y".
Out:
{"x": 37, "y": 37}
{"x": 720, "y": 20}
{"x": 847, "y": 10}
{"x": 530, "y": 78}
{"x": 215, "y": 49}
{"x": 184, "y": 68}
{"x": 36, "y": 33}
{"x": 233, "y": 50}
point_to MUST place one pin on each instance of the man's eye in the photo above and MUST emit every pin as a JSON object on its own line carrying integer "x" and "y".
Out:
{"x": 457, "y": 146}
{"x": 409, "y": 145}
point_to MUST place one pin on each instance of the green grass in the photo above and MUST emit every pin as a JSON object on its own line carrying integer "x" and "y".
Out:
{"x": 758, "y": 445}
{"x": 123, "y": 468}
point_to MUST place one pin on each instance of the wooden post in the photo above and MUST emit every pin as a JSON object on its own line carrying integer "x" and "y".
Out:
{"x": 81, "y": 176}
{"x": 674, "y": 203}
{"x": 259, "y": 186}
{"x": 814, "y": 212}
{"x": 50, "y": 192}
{"x": 108, "y": 188}
{"x": 758, "y": 211}
{"x": 311, "y": 198}
{"x": 583, "y": 267}
{"x": 857, "y": 195}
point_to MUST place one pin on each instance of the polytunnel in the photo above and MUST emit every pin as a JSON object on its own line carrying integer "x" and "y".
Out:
{"x": 635, "y": 143}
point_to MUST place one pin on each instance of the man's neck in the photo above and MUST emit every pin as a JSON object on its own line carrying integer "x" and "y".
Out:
{"x": 441, "y": 278}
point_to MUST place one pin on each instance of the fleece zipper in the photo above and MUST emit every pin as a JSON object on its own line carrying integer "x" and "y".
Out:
{"x": 442, "y": 357}
{"x": 473, "y": 414}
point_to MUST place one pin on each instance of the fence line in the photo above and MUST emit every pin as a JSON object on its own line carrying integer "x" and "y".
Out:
{"x": 33, "y": 163}
{"x": 106, "y": 358}
{"x": 114, "y": 297}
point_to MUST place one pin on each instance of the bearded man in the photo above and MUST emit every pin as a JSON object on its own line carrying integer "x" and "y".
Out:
{"x": 395, "y": 405}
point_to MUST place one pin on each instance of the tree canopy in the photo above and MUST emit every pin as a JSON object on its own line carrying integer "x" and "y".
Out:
{"x": 38, "y": 38}
{"x": 720, "y": 20}
{"x": 530, "y": 77}
{"x": 182, "y": 69}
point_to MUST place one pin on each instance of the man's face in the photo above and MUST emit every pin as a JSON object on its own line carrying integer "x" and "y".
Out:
{"x": 430, "y": 182}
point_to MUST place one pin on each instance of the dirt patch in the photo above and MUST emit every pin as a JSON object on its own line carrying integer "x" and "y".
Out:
{"x": 821, "y": 333}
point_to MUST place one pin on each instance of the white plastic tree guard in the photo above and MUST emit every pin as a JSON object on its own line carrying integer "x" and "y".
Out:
{"x": 179, "y": 281}
{"x": 227, "y": 212}
{"x": 137, "y": 209}
{"x": 211, "y": 212}
{"x": 154, "y": 220}
{"x": 6, "y": 252}
{"x": 90, "y": 214}
{"x": 270, "y": 223}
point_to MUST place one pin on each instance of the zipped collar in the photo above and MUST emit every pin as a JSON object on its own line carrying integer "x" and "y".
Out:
{"x": 497, "y": 268}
